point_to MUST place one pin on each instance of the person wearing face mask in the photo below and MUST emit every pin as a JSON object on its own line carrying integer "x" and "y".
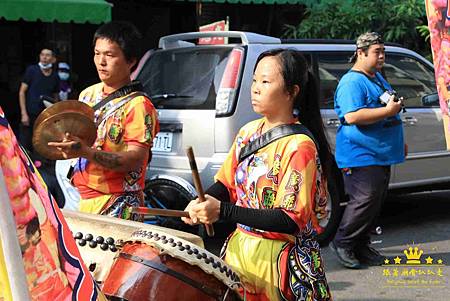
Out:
{"x": 65, "y": 87}
{"x": 39, "y": 80}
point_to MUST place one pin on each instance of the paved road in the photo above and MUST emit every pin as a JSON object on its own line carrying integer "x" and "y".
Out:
{"x": 421, "y": 220}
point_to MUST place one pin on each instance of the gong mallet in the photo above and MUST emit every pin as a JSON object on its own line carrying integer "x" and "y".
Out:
{"x": 198, "y": 184}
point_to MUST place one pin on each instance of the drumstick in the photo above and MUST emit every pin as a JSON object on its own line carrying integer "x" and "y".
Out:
{"x": 198, "y": 184}
{"x": 159, "y": 212}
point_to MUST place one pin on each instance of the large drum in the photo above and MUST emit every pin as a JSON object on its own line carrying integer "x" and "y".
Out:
{"x": 101, "y": 238}
{"x": 154, "y": 265}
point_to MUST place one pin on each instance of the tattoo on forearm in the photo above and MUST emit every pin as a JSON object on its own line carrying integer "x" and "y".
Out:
{"x": 107, "y": 159}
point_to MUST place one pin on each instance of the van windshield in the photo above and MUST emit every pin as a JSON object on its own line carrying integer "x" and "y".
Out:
{"x": 186, "y": 78}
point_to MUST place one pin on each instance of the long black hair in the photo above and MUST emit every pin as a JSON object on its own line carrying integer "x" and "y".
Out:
{"x": 295, "y": 71}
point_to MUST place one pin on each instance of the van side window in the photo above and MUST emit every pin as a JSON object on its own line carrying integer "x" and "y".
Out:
{"x": 331, "y": 67}
{"x": 412, "y": 80}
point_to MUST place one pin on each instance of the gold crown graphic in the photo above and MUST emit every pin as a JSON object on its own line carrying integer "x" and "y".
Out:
{"x": 413, "y": 257}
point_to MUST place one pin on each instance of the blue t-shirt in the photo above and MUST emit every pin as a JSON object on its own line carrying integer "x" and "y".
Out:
{"x": 39, "y": 84}
{"x": 379, "y": 143}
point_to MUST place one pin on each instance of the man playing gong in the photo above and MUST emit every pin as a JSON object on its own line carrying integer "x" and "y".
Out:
{"x": 110, "y": 174}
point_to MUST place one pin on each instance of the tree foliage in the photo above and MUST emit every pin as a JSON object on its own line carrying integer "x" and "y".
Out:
{"x": 397, "y": 20}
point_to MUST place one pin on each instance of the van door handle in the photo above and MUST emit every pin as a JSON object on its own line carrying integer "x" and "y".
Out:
{"x": 409, "y": 120}
{"x": 333, "y": 122}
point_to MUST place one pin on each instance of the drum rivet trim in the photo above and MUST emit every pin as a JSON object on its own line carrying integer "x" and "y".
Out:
{"x": 187, "y": 247}
{"x": 204, "y": 255}
{"x": 207, "y": 260}
{"x": 164, "y": 241}
{"x": 189, "y": 252}
{"x": 92, "y": 244}
{"x": 163, "y": 237}
{"x": 215, "y": 265}
{"x": 82, "y": 242}
{"x": 104, "y": 246}
{"x": 171, "y": 239}
{"x": 173, "y": 245}
{"x": 100, "y": 239}
{"x": 181, "y": 248}
{"x": 179, "y": 243}
{"x": 112, "y": 248}
{"x": 110, "y": 240}
{"x": 78, "y": 235}
{"x": 157, "y": 238}
{"x": 89, "y": 237}
{"x": 199, "y": 256}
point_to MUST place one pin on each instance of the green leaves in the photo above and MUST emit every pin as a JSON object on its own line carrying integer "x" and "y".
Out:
{"x": 398, "y": 21}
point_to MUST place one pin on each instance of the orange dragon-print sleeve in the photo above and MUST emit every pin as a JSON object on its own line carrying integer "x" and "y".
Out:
{"x": 297, "y": 186}
{"x": 141, "y": 123}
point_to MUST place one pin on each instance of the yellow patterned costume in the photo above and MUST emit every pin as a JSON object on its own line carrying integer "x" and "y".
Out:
{"x": 285, "y": 174}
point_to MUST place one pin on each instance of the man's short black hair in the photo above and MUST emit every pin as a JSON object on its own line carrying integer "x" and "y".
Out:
{"x": 125, "y": 34}
{"x": 47, "y": 47}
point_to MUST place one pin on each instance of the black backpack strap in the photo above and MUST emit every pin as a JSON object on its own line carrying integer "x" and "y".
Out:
{"x": 272, "y": 135}
{"x": 118, "y": 105}
{"x": 131, "y": 87}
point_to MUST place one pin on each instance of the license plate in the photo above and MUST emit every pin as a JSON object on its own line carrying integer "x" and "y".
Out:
{"x": 162, "y": 142}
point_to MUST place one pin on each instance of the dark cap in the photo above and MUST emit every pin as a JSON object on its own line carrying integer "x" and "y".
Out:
{"x": 367, "y": 39}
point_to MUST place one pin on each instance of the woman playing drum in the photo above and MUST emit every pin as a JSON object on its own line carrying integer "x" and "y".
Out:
{"x": 277, "y": 194}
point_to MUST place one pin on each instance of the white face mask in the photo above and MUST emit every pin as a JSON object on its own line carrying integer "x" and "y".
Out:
{"x": 63, "y": 75}
{"x": 45, "y": 66}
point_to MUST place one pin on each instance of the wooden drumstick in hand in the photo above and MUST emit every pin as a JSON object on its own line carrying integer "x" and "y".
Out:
{"x": 198, "y": 184}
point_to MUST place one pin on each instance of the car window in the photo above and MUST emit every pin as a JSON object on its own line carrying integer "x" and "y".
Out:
{"x": 186, "y": 78}
{"x": 331, "y": 67}
{"x": 411, "y": 79}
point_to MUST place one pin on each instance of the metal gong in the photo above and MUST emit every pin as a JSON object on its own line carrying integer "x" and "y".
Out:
{"x": 51, "y": 125}
{"x": 65, "y": 106}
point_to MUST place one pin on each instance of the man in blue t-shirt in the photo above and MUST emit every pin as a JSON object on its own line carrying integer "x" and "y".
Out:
{"x": 39, "y": 80}
{"x": 368, "y": 141}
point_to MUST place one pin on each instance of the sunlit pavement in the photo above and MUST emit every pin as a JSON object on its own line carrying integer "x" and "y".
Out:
{"x": 418, "y": 220}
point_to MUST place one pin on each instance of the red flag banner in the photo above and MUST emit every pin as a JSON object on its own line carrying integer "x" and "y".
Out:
{"x": 216, "y": 26}
{"x": 438, "y": 14}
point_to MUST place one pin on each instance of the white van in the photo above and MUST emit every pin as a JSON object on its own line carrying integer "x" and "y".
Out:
{"x": 202, "y": 94}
